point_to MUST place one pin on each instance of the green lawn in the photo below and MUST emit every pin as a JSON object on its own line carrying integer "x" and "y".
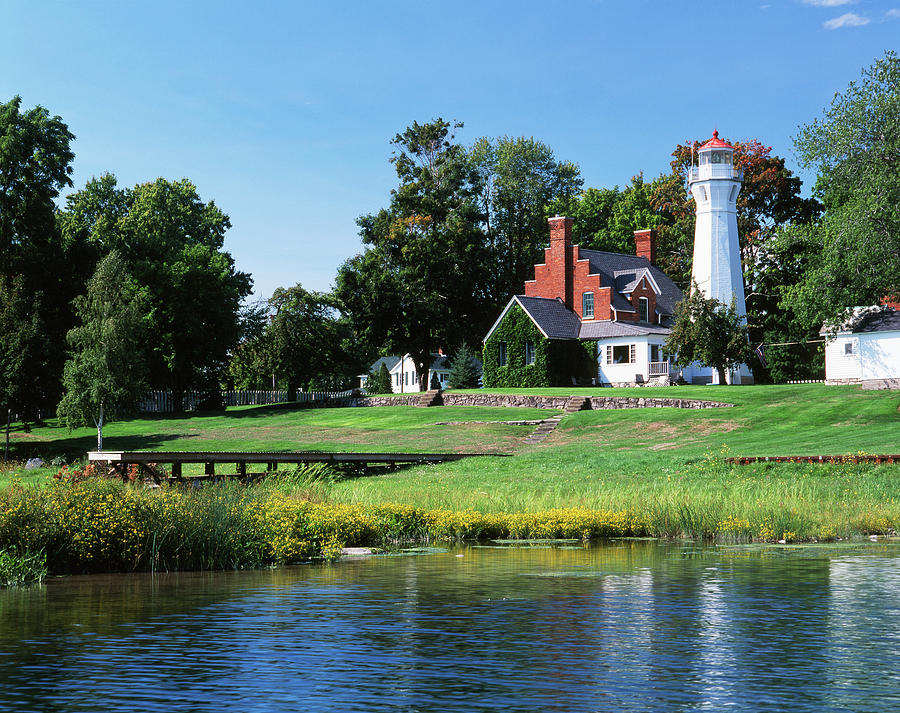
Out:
{"x": 666, "y": 462}
{"x": 287, "y": 428}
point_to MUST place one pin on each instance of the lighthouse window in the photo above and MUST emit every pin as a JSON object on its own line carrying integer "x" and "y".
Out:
{"x": 716, "y": 156}
{"x": 703, "y": 193}
{"x": 733, "y": 194}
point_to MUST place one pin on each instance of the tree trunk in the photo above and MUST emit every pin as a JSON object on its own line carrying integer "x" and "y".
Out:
{"x": 100, "y": 429}
{"x": 6, "y": 450}
{"x": 722, "y": 379}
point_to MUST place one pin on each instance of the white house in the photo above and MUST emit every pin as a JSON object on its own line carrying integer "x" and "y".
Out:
{"x": 403, "y": 372}
{"x": 866, "y": 349}
{"x": 622, "y": 302}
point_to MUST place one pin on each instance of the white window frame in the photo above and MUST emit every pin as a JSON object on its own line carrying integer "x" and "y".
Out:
{"x": 587, "y": 300}
{"x": 502, "y": 356}
{"x": 644, "y": 309}
{"x": 529, "y": 352}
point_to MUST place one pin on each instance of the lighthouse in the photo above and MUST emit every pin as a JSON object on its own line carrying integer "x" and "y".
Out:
{"x": 715, "y": 184}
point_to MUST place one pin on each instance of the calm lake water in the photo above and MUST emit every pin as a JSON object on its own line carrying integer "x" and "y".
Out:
{"x": 625, "y": 626}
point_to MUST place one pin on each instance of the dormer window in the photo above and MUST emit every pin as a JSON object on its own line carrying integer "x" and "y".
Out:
{"x": 644, "y": 308}
{"x": 587, "y": 305}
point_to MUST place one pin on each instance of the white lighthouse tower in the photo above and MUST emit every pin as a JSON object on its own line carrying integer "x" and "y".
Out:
{"x": 715, "y": 184}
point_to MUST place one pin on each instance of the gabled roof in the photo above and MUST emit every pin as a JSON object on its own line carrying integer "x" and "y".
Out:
{"x": 613, "y": 265}
{"x": 552, "y": 318}
{"x": 438, "y": 363}
{"x": 389, "y": 361}
{"x": 864, "y": 320}
{"x": 556, "y": 321}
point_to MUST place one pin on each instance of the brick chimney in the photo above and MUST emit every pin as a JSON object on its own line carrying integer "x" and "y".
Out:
{"x": 559, "y": 258}
{"x": 645, "y": 244}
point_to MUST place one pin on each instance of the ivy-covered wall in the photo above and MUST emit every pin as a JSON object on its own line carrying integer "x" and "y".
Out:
{"x": 556, "y": 361}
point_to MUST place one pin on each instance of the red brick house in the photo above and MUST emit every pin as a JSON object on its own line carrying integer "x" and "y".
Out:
{"x": 587, "y": 316}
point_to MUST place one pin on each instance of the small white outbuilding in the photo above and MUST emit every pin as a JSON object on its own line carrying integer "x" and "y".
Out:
{"x": 865, "y": 349}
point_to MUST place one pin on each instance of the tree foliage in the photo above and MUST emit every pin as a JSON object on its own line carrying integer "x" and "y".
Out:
{"x": 105, "y": 373}
{"x": 855, "y": 147}
{"x": 519, "y": 183}
{"x": 39, "y": 274}
{"x": 379, "y": 382}
{"x": 708, "y": 332}
{"x": 305, "y": 337}
{"x": 606, "y": 219}
{"x": 464, "y": 370}
{"x": 174, "y": 243}
{"x": 299, "y": 339}
{"x": 421, "y": 281}
{"x": 21, "y": 347}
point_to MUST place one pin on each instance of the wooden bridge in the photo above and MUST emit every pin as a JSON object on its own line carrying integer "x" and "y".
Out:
{"x": 149, "y": 462}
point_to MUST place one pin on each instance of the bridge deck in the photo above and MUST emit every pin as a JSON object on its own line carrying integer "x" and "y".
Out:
{"x": 148, "y": 460}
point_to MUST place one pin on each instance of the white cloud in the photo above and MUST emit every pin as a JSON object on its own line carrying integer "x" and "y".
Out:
{"x": 850, "y": 19}
{"x": 828, "y": 3}
{"x": 893, "y": 12}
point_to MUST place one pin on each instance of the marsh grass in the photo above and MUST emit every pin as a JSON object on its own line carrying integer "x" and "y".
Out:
{"x": 18, "y": 568}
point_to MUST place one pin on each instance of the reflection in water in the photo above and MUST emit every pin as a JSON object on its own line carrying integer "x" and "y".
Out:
{"x": 627, "y": 626}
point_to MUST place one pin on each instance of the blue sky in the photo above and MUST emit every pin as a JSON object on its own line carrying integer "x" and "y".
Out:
{"x": 282, "y": 112}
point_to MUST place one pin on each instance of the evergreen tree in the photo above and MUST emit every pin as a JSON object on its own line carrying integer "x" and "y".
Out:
{"x": 380, "y": 381}
{"x": 464, "y": 371}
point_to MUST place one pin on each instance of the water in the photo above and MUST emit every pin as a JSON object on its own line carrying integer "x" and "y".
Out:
{"x": 627, "y": 626}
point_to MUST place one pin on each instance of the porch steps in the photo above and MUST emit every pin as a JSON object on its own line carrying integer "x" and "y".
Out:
{"x": 544, "y": 429}
{"x": 430, "y": 398}
{"x": 577, "y": 403}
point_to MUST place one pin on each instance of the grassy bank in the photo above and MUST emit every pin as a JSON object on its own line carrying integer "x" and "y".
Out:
{"x": 662, "y": 469}
{"x": 101, "y": 525}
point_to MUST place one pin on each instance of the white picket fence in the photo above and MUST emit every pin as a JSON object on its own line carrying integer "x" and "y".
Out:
{"x": 164, "y": 402}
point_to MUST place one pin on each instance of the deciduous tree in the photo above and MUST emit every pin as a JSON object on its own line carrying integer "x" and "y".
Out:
{"x": 174, "y": 243}
{"x": 35, "y": 164}
{"x": 708, "y": 332}
{"x": 421, "y": 282}
{"x": 855, "y": 146}
{"x": 519, "y": 183}
{"x": 105, "y": 374}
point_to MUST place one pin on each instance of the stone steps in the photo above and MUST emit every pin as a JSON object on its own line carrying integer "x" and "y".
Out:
{"x": 430, "y": 398}
{"x": 577, "y": 403}
{"x": 543, "y": 430}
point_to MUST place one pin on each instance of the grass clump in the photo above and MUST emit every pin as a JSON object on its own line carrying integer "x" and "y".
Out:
{"x": 21, "y": 568}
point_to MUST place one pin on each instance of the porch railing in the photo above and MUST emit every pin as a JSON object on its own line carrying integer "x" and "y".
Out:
{"x": 659, "y": 368}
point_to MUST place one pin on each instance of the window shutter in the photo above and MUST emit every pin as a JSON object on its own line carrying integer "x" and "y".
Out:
{"x": 632, "y": 353}
{"x": 609, "y": 356}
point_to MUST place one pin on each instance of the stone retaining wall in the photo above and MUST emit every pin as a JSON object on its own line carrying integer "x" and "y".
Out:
{"x": 513, "y": 400}
{"x": 405, "y": 400}
{"x": 524, "y": 401}
{"x": 607, "y": 402}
